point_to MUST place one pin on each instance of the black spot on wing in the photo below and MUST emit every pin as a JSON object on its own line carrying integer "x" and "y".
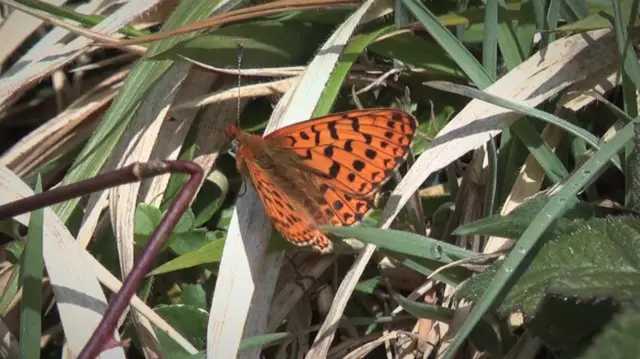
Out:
{"x": 371, "y": 154}
{"x": 334, "y": 170}
{"x": 358, "y": 165}
{"x": 348, "y": 146}
{"x": 328, "y": 151}
{"x": 355, "y": 124}
{"x": 333, "y": 132}
{"x": 304, "y": 135}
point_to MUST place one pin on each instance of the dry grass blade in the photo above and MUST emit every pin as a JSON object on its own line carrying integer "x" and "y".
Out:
{"x": 262, "y": 89}
{"x": 38, "y": 146}
{"x": 40, "y": 62}
{"x": 16, "y": 28}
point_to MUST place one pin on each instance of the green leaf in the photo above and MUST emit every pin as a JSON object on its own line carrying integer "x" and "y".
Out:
{"x": 617, "y": 340}
{"x": 185, "y": 223}
{"x": 210, "y": 198}
{"x": 31, "y": 277}
{"x": 262, "y": 43}
{"x": 14, "y": 251}
{"x": 564, "y": 323}
{"x": 194, "y": 295}
{"x": 210, "y": 253}
{"x": 189, "y": 321}
{"x": 349, "y": 55}
{"x": 262, "y": 340}
{"x": 191, "y": 241}
{"x": 430, "y": 57}
{"x": 368, "y": 285}
{"x": 449, "y": 43}
{"x": 451, "y": 276}
{"x": 596, "y": 260}
{"x": 524, "y": 109}
{"x": 146, "y": 219}
{"x": 430, "y": 127}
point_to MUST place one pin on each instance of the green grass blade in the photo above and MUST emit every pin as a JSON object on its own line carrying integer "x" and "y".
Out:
{"x": 346, "y": 60}
{"x": 510, "y": 47}
{"x": 512, "y": 267}
{"x": 490, "y": 42}
{"x": 31, "y": 278}
{"x": 491, "y": 191}
{"x": 550, "y": 163}
{"x": 450, "y": 44}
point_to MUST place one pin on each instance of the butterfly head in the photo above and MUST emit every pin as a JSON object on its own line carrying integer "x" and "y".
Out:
{"x": 233, "y": 133}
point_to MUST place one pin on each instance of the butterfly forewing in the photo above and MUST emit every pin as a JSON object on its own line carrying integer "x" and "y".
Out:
{"x": 325, "y": 170}
{"x": 357, "y": 150}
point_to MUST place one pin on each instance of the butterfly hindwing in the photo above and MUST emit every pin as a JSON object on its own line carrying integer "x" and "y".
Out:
{"x": 292, "y": 220}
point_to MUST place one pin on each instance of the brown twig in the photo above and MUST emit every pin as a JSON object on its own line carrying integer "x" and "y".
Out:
{"x": 102, "y": 338}
{"x": 235, "y": 16}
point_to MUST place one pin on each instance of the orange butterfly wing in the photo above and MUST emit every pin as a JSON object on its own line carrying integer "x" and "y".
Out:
{"x": 358, "y": 150}
{"x": 288, "y": 212}
{"x": 325, "y": 170}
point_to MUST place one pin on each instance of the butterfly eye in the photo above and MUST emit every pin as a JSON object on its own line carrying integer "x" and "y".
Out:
{"x": 234, "y": 145}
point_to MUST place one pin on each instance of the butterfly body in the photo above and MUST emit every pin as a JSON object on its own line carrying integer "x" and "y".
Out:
{"x": 324, "y": 171}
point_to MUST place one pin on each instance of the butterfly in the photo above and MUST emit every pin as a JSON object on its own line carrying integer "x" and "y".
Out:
{"x": 324, "y": 171}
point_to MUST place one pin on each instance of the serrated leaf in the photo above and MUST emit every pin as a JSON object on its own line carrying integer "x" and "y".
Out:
{"x": 617, "y": 340}
{"x": 564, "y": 322}
{"x": 599, "y": 259}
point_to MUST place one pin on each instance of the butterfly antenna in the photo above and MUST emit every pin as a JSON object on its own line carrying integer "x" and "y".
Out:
{"x": 240, "y": 53}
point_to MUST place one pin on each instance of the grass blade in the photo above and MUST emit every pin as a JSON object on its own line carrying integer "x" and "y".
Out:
{"x": 31, "y": 278}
